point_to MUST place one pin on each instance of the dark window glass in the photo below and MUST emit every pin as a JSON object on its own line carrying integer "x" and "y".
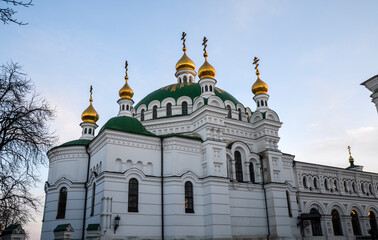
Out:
{"x": 354, "y": 187}
{"x": 190, "y": 79}
{"x": 373, "y": 223}
{"x": 211, "y": 88}
{"x": 266, "y": 103}
{"x": 93, "y": 198}
{"x": 184, "y": 108}
{"x": 362, "y": 188}
{"x": 154, "y": 112}
{"x": 371, "y": 189}
{"x": 345, "y": 186}
{"x": 315, "y": 223}
{"x": 288, "y": 203}
{"x": 189, "y": 205}
{"x": 206, "y": 88}
{"x": 62, "y": 203}
{"x": 355, "y": 223}
{"x": 258, "y": 104}
{"x": 335, "y": 185}
{"x": 85, "y": 130}
{"x": 133, "y": 195}
{"x": 315, "y": 183}
{"x": 185, "y": 79}
{"x": 326, "y": 184}
{"x": 261, "y": 103}
{"x": 229, "y": 114}
{"x": 304, "y": 182}
{"x": 238, "y": 167}
{"x": 90, "y": 131}
{"x": 169, "y": 109}
{"x": 252, "y": 172}
{"x": 240, "y": 115}
{"x": 142, "y": 115}
{"x": 336, "y": 223}
{"x": 127, "y": 107}
{"x": 123, "y": 107}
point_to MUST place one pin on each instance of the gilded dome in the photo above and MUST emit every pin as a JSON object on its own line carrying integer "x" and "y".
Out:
{"x": 206, "y": 70}
{"x": 185, "y": 63}
{"x": 126, "y": 92}
{"x": 90, "y": 115}
{"x": 259, "y": 87}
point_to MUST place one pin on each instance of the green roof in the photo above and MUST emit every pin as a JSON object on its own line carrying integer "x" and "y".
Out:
{"x": 62, "y": 227}
{"x": 9, "y": 230}
{"x": 177, "y": 90}
{"x": 78, "y": 142}
{"x": 126, "y": 124}
{"x": 181, "y": 136}
{"x": 93, "y": 227}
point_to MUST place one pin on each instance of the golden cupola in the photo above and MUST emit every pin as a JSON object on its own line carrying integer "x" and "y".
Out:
{"x": 259, "y": 87}
{"x": 126, "y": 92}
{"x": 90, "y": 115}
{"x": 206, "y": 70}
{"x": 185, "y": 63}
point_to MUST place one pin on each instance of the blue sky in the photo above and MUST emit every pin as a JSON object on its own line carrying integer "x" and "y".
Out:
{"x": 313, "y": 55}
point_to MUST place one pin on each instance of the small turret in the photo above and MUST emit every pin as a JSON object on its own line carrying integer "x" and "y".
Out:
{"x": 89, "y": 117}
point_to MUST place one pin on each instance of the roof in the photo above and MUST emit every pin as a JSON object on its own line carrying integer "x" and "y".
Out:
{"x": 178, "y": 90}
{"x": 11, "y": 229}
{"x": 78, "y": 142}
{"x": 181, "y": 136}
{"x": 93, "y": 227}
{"x": 126, "y": 124}
{"x": 63, "y": 228}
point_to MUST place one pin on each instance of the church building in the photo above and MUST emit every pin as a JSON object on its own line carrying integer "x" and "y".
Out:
{"x": 189, "y": 161}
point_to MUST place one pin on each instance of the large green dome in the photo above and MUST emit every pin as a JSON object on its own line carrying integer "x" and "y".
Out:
{"x": 177, "y": 90}
{"x": 126, "y": 124}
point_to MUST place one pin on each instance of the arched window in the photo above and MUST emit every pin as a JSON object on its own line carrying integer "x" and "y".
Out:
{"x": 229, "y": 114}
{"x": 354, "y": 187}
{"x": 355, "y": 223}
{"x": 189, "y": 206}
{"x": 288, "y": 203}
{"x": 240, "y": 115}
{"x": 184, "y": 106}
{"x": 90, "y": 131}
{"x": 336, "y": 223}
{"x": 206, "y": 88}
{"x": 190, "y": 79}
{"x": 261, "y": 103}
{"x": 238, "y": 167}
{"x": 362, "y": 188}
{"x": 211, "y": 88}
{"x": 154, "y": 112}
{"x": 304, "y": 182}
{"x": 133, "y": 195}
{"x": 315, "y": 183}
{"x": 252, "y": 172}
{"x": 373, "y": 223}
{"x": 169, "y": 109}
{"x": 127, "y": 107}
{"x": 326, "y": 184}
{"x": 315, "y": 223}
{"x": 345, "y": 186}
{"x": 203, "y": 89}
{"x": 371, "y": 189}
{"x": 62, "y": 203}
{"x": 266, "y": 103}
{"x": 123, "y": 107}
{"x": 93, "y": 198}
{"x": 335, "y": 185}
{"x": 185, "y": 79}
{"x": 258, "y": 104}
{"x": 142, "y": 115}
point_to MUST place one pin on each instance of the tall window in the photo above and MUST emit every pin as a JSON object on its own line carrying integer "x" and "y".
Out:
{"x": 169, "y": 109}
{"x": 355, "y": 223}
{"x": 238, "y": 167}
{"x": 133, "y": 195}
{"x": 189, "y": 206}
{"x": 206, "y": 88}
{"x": 373, "y": 223}
{"x": 62, "y": 203}
{"x": 336, "y": 223}
{"x": 154, "y": 112}
{"x": 326, "y": 184}
{"x": 315, "y": 183}
{"x": 335, "y": 185}
{"x": 142, "y": 115}
{"x": 315, "y": 223}
{"x": 211, "y": 88}
{"x": 229, "y": 115}
{"x": 93, "y": 198}
{"x": 288, "y": 203}
{"x": 184, "y": 108}
{"x": 240, "y": 115}
{"x": 304, "y": 182}
{"x": 252, "y": 172}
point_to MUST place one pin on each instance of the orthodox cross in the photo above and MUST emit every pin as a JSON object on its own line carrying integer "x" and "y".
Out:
{"x": 90, "y": 90}
{"x": 183, "y": 41}
{"x": 350, "y": 154}
{"x": 126, "y": 65}
{"x": 204, "y": 46}
{"x": 256, "y": 62}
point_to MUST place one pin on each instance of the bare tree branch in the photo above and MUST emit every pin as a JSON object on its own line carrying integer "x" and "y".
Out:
{"x": 7, "y": 13}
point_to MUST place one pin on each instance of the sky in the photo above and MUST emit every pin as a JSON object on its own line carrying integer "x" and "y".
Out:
{"x": 313, "y": 55}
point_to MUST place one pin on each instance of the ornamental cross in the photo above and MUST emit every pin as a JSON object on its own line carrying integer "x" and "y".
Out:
{"x": 90, "y": 90}
{"x": 183, "y": 41}
{"x": 126, "y": 65}
{"x": 349, "y": 150}
{"x": 204, "y": 46}
{"x": 256, "y": 62}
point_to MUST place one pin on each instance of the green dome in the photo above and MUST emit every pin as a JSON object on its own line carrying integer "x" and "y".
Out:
{"x": 177, "y": 90}
{"x": 126, "y": 124}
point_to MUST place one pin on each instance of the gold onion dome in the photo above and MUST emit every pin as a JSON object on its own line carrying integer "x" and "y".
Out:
{"x": 206, "y": 70}
{"x": 90, "y": 115}
{"x": 126, "y": 92}
{"x": 259, "y": 87}
{"x": 185, "y": 62}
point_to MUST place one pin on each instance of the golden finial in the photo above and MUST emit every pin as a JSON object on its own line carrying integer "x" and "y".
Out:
{"x": 90, "y": 90}
{"x": 126, "y": 65}
{"x": 204, "y": 46}
{"x": 256, "y": 62}
{"x": 351, "y": 159}
{"x": 183, "y": 41}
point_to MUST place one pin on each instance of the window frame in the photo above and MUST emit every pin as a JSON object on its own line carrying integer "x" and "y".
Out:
{"x": 189, "y": 198}
{"x": 133, "y": 195}
{"x": 62, "y": 203}
{"x": 238, "y": 166}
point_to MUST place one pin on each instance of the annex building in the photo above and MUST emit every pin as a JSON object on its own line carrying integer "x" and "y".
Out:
{"x": 189, "y": 161}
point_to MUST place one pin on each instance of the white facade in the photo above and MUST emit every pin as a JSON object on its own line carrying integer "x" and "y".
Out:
{"x": 265, "y": 195}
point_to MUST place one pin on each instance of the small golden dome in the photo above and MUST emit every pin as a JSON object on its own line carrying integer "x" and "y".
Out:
{"x": 259, "y": 87}
{"x": 126, "y": 92}
{"x": 185, "y": 63}
{"x": 90, "y": 115}
{"x": 206, "y": 70}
